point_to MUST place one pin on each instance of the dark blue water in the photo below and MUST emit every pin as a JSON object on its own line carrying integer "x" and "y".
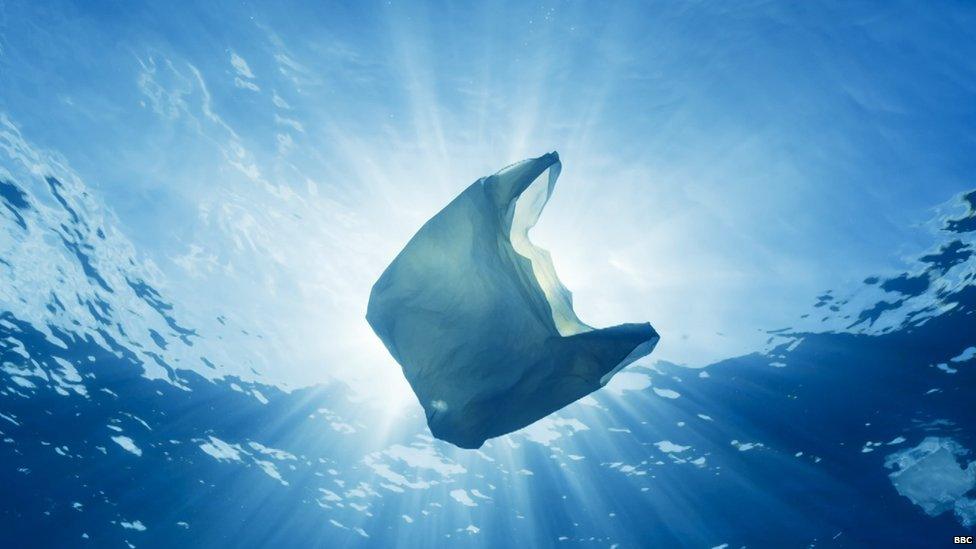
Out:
{"x": 790, "y": 446}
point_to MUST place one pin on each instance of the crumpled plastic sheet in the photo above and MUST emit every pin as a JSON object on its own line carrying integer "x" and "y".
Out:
{"x": 477, "y": 318}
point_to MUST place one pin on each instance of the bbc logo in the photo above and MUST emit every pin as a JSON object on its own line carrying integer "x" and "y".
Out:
{"x": 963, "y": 539}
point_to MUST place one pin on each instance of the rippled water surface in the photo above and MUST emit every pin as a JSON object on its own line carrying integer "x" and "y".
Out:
{"x": 195, "y": 201}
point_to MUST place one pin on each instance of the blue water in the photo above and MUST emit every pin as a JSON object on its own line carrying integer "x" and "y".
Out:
{"x": 195, "y": 201}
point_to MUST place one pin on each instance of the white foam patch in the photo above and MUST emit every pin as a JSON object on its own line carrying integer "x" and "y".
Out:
{"x": 932, "y": 477}
{"x": 550, "y": 428}
{"x": 463, "y": 498}
{"x": 329, "y": 495}
{"x": 127, "y": 444}
{"x": 669, "y": 447}
{"x": 425, "y": 458}
{"x": 964, "y": 356}
{"x": 273, "y": 452}
{"x": 628, "y": 381}
{"x": 136, "y": 525}
{"x": 270, "y": 470}
{"x": 395, "y": 463}
{"x": 667, "y": 393}
{"x": 240, "y": 65}
{"x": 746, "y": 446}
{"x": 220, "y": 450}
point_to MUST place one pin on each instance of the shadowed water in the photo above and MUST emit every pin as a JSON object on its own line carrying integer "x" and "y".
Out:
{"x": 785, "y": 446}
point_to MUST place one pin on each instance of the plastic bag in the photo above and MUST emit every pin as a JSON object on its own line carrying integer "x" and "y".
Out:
{"x": 477, "y": 318}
